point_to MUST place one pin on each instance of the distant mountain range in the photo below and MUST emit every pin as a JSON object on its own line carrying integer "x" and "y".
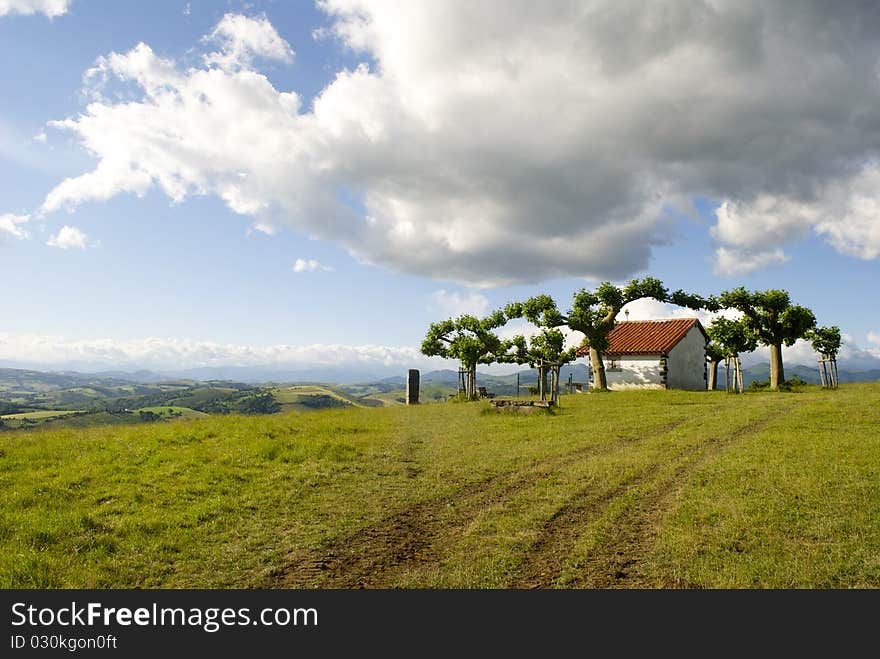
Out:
{"x": 761, "y": 372}
{"x": 12, "y": 379}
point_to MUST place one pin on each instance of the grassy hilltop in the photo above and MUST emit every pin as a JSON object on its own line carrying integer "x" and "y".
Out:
{"x": 628, "y": 489}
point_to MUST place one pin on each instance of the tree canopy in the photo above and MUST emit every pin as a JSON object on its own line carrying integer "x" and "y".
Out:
{"x": 547, "y": 353}
{"x": 731, "y": 337}
{"x": 772, "y": 318}
{"x": 825, "y": 340}
{"x": 468, "y": 339}
{"x": 548, "y": 346}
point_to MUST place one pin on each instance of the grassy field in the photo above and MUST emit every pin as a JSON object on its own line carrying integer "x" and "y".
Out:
{"x": 622, "y": 490}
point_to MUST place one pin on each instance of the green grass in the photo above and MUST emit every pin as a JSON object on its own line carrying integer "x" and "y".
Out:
{"x": 629, "y": 489}
{"x": 430, "y": 393}
{"x": 794, "y": 507}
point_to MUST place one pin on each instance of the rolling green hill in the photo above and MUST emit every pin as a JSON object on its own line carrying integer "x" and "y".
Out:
{"x": 313, "y": 396}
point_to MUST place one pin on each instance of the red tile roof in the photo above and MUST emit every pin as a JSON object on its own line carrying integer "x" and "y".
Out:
{"x": 646, "y": 337}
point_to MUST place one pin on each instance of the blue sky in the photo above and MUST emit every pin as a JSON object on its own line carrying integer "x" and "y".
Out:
{"x": 433, "y": 161}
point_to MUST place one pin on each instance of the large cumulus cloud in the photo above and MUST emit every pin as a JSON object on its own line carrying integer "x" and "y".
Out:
{"x": 511, "y": 141}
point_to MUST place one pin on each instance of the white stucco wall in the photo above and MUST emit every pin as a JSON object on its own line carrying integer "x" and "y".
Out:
{"x": 687, "y": 363}
{"x": 634, "y": 373}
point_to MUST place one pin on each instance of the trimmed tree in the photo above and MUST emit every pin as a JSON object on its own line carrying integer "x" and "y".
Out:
{"x": 772, "y": 318}
{"x": 545, "y": 352}
{"x": 730, "y": 338}
{"x": 470, "y": 340}
{"x": 826, "y": 341}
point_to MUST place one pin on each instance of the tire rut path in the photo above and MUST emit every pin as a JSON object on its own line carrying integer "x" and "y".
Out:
{"x": 416, "y": 536}
{"x": 622, "y": 560}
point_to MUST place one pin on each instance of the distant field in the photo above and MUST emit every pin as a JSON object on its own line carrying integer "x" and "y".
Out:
{"x": 647, "y": 489}
{"x": 431, "y": 393}
{"x": 304, "y": 397}
{"x": 42, "y": 414}
{"x": 200, "y": 395}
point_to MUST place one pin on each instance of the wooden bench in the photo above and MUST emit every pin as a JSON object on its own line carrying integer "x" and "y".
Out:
{"x": 522, "y": 406}
{"x": 484, "y": 393}
{"x": 545, "y": 404}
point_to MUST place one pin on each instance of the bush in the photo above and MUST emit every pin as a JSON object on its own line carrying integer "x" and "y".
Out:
{"x": 264, "y": 403}
{"x": 788, "y": 385}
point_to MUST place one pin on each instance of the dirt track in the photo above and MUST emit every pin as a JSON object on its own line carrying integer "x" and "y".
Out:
{"x": 418, "y": 537}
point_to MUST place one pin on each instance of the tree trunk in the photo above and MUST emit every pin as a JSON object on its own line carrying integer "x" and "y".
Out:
{"x": 555, "y": 385}
{"x": 777, "y": 374}
{"x": 600, "y": 383}
{"x": 713, "y": 374}
{"x": 471, "y": 382}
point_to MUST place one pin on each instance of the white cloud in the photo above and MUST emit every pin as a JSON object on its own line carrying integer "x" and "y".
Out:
{"x": 10, "y": 224}
{"x": 452, "y": 303}
{"x": 67, "y": 238}
{"x": 309, "y": 265}
{"x": 488, "y": 154}
{"x": 845, "y": 211}
{"x": 242, "y": 38}
{"x": 50, "y": 8}
{"x": 854, "y": 227}
{"x": 40, "y": 137}
{"x": 177, "y": 354}
{"x": 855, "y": 357}
{"x": 649, "y": 309}
{"x": 181, "y": 138}
{"x": 768, "y": 220}
{"x": 743, "y": 261}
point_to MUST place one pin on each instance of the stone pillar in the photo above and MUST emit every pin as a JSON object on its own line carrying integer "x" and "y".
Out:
{"x": 412, "y": 386}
